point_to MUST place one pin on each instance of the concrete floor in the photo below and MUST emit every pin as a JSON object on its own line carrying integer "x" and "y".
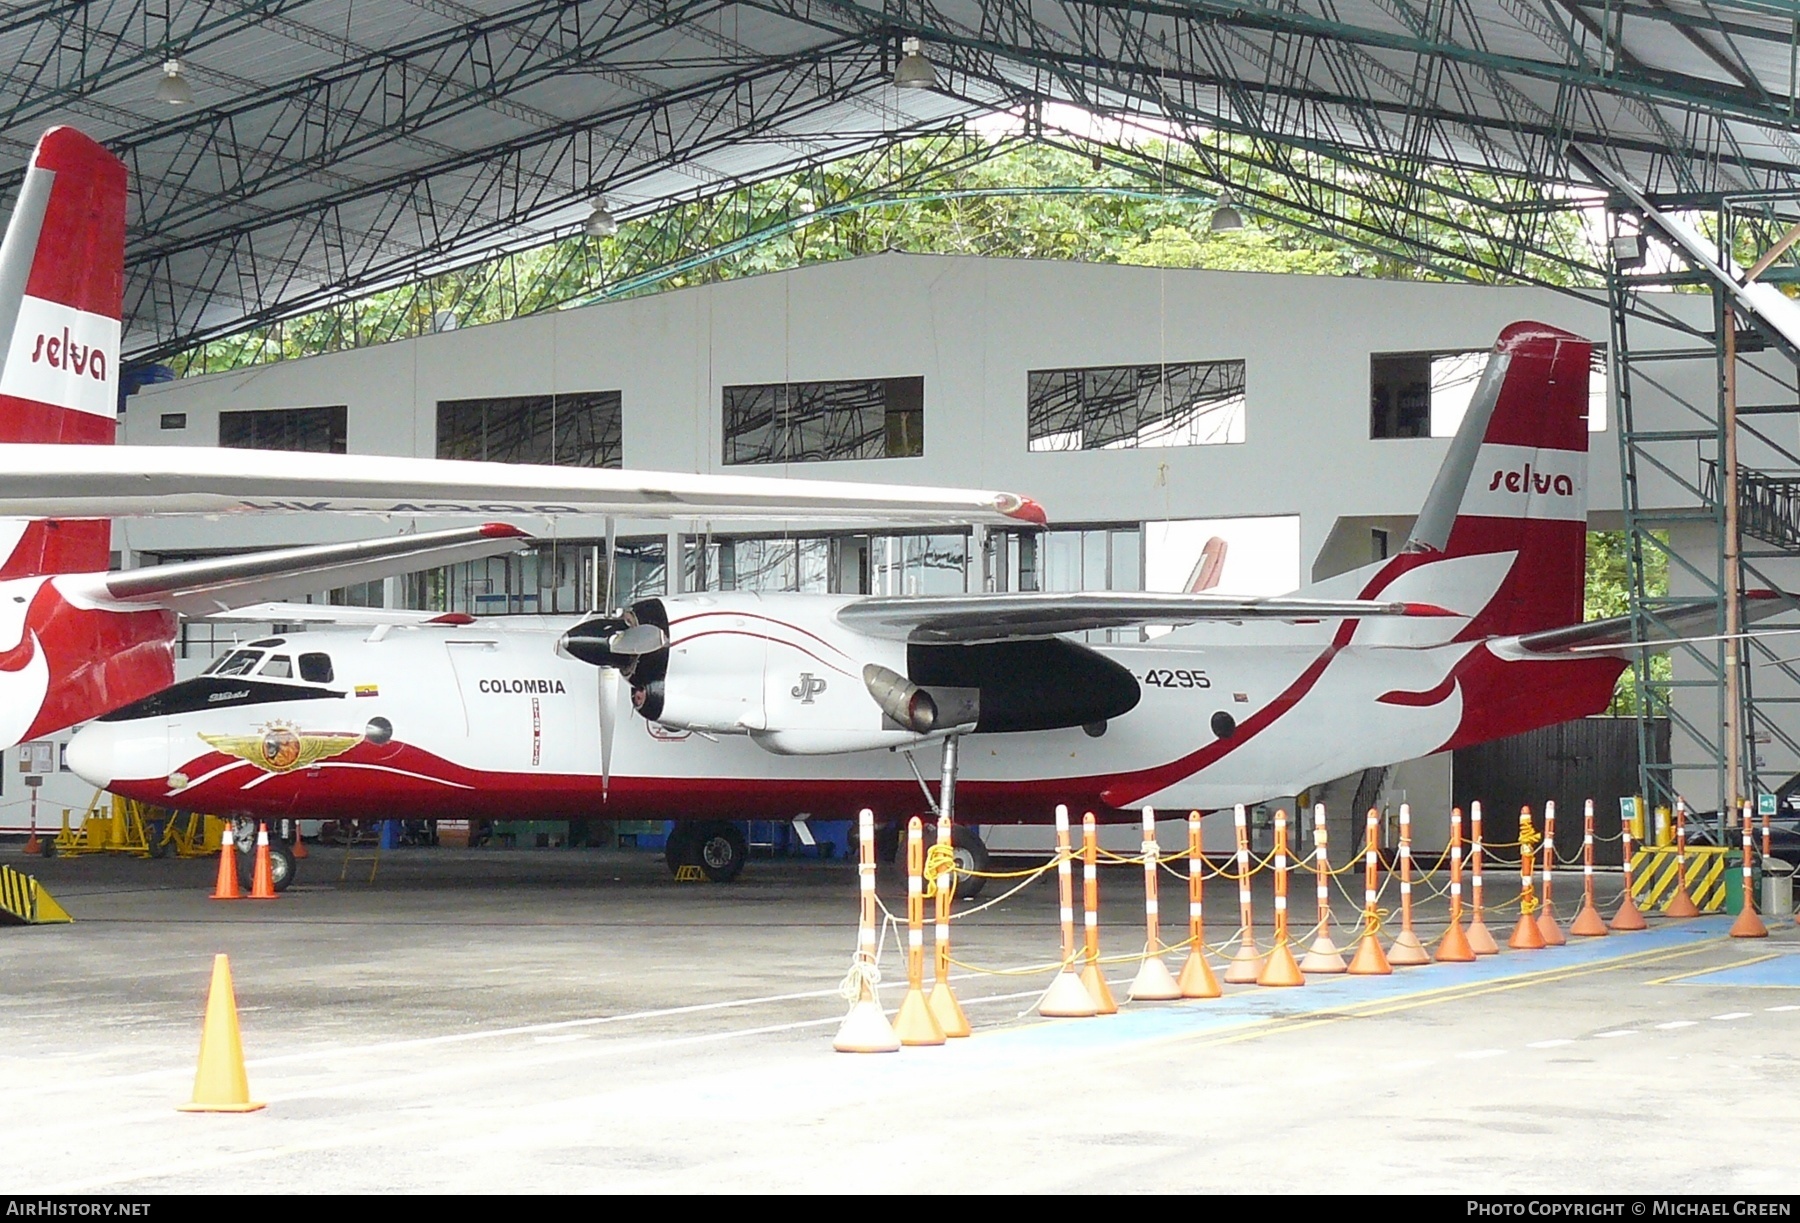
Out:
{"x": 493, "y": 1021}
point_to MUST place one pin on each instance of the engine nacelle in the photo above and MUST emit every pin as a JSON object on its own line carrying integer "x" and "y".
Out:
{"x": 783, "y": 670}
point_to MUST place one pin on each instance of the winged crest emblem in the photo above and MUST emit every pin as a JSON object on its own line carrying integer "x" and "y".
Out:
{"x": 282, "y": 748}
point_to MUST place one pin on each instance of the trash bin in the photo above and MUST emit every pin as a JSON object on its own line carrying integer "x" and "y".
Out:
{"x": 1734, "y": 882}
{"x": 1778, "y": 888}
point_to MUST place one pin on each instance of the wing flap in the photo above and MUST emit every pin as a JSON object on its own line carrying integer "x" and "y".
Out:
{"x": 134, "y": 481}
{"x": 199, "y": 588}
{"x": 971, "y": 619}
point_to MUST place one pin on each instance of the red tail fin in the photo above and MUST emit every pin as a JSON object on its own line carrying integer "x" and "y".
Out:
{"x": 1515, "y": 481}
{"x": 62, "y": 279}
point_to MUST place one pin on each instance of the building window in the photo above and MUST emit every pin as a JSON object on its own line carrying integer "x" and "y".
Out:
{"x": 316, "y": 430}
{"x": 810, "y": 422}
{"x": 174, "y": 420}
{"x": 1199, "y": 403}
{"x": 577, "y": 430}
{"x": 1426, "y": 394}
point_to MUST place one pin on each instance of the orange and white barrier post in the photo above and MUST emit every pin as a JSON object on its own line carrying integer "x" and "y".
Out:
{"x": 1196, "y": 979}
{"x": 262, "y": 882}
{"x": 866, "y": 1028}
{"x": 944, "y": 1007}
{"x": 1370, "y": 960}
{"x": 1281, "y": 968}
{"x": 1628, "y": 919}
{"x": 1247, "y": 964}
{"x": 1749, "y": 923}
{"x": 914, "y": 1023}
{"x": 226, "y": 888}
{"x": 1454, "y": 947}
{"x": 1481, "y": 939}
{"x": 1323, "y": 956}
{"x": 1407, "y": 951}
{"x": 1067, "y": 997}
{"x": 1091, "y": 976}
{"x": 1547, "y": 923}
{"x": 1527, "y": 935}
{"x": 1588, "y": 923}
{"x": 1154, "y": 982}
{"x": 1681, "y": 904}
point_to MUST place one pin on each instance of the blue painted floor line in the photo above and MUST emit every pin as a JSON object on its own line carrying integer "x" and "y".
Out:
{"x": 1245, "y": 1007}
{"x": 1781, "y": 971}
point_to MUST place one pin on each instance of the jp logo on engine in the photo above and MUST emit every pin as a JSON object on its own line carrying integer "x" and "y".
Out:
{"x": 809, "y": 686}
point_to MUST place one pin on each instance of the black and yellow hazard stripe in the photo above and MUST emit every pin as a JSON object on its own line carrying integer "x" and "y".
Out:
{"x": 24, "y": 902}
{"x": 1655, "y": 870}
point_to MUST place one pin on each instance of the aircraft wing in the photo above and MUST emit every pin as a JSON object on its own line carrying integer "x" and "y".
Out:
{"x": 47, "y": 481}
{"x": 328, "y": 614}
{"x": 197, "y": 588}
{"x": 969, "y": 619}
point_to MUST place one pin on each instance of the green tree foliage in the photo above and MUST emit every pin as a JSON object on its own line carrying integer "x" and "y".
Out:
{"x": 1608, "y": 594}
{"x": 928, "y": 195}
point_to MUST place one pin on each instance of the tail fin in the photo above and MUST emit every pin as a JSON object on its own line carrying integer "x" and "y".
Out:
{"x": 1502, "y": 538}
{"x": 62, "y": 280}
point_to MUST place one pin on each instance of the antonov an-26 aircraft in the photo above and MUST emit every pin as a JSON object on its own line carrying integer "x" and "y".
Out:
{"x": 76, "y": 640}
{"x": 710, "y": 707}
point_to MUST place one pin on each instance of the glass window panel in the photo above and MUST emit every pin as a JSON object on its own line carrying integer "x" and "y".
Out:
{"x": 1059, "y": 554}
{"x": 1197, "y": 403}
{"x": 313, "y": 430}
{"x": 804, "y": 422}
{"x": 1093, "y": 560}
{"x": 315, "y": 668}
{"x": 280, "y": 666}
{"x": 579, "y": 429}
{"x": 1127, "y": 570}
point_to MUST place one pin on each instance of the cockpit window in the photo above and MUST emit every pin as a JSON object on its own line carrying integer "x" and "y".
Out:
{"x": 315, "y": 668}
{"x": 238, "y": 662}
{"x": 278, "y": 667}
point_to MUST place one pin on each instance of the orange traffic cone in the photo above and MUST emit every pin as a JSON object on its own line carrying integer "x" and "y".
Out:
{"x": 1547, "y": 923}
{"x": 1370, "y": 960}
{"x": 1481, "y": 939}
{"x": 1454, "y": 947}
{"x": 914, "y": 1023}
{"x": 298, "y": 845}
{"x": 1681, "y": 904}
{"x": 220, "y": 1083}
{"x": 1196, "y": 978}
{"x": 262, "y": 883}
{"x": 227, "y": 886}
{"x": 1527, "y": 935}
{"x": 1281, "y": 968}
{"x": 1629, "y": 918}
{"x": 1588, "y": 923}
{"x": 1548, "y": 927}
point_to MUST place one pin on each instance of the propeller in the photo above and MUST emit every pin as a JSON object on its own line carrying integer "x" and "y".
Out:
{"x": 611, "y": 682}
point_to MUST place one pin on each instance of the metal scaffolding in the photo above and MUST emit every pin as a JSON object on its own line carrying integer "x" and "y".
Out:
{"x": 1695, "y": 392}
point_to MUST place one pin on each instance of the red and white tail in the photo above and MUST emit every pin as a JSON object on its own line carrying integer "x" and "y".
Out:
{"x": 62, "y": 281}
{"x": 1502, "y": 538}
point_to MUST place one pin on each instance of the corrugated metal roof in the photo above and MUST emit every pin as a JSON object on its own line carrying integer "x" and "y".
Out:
{"x": 335, "y": 145}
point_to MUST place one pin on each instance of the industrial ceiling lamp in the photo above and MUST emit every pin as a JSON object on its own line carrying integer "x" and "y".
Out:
{"x": 914, "y": 71}
{"x": 600, "y": 222}
{"x": 173, "y": 88}
{"x": 1225, "y": 216}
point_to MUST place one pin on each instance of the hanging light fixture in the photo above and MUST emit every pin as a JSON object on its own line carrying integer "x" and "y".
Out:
{"x": 173, "y": 88}
{"x": 1225, "y": 216}
{"x": 600, "y": 222}
{"x": 914, "y": 71}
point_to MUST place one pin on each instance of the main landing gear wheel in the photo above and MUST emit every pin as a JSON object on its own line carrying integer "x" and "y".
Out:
{"x": 723, "y": 851}
{"x": 281, "y": 858}
{"x": 971, "y": 854}
{"x": 717, "y": 847}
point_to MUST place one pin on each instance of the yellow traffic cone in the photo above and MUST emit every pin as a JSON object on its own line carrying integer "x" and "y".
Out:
{"x": 220, "y": 1083}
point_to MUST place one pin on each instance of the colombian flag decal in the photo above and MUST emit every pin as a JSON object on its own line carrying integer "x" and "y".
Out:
{"x": 368, "y": 690}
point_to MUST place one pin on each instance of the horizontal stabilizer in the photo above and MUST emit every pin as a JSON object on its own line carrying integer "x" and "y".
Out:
{"x": 199, "y": 588}
{"x": 968, "y": 619}
{"x": 1615, "y": 636}
{"x": 140, "y": 481}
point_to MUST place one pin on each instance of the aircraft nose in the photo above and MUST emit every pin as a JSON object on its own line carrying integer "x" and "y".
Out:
{"x": 90, "y": 754}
